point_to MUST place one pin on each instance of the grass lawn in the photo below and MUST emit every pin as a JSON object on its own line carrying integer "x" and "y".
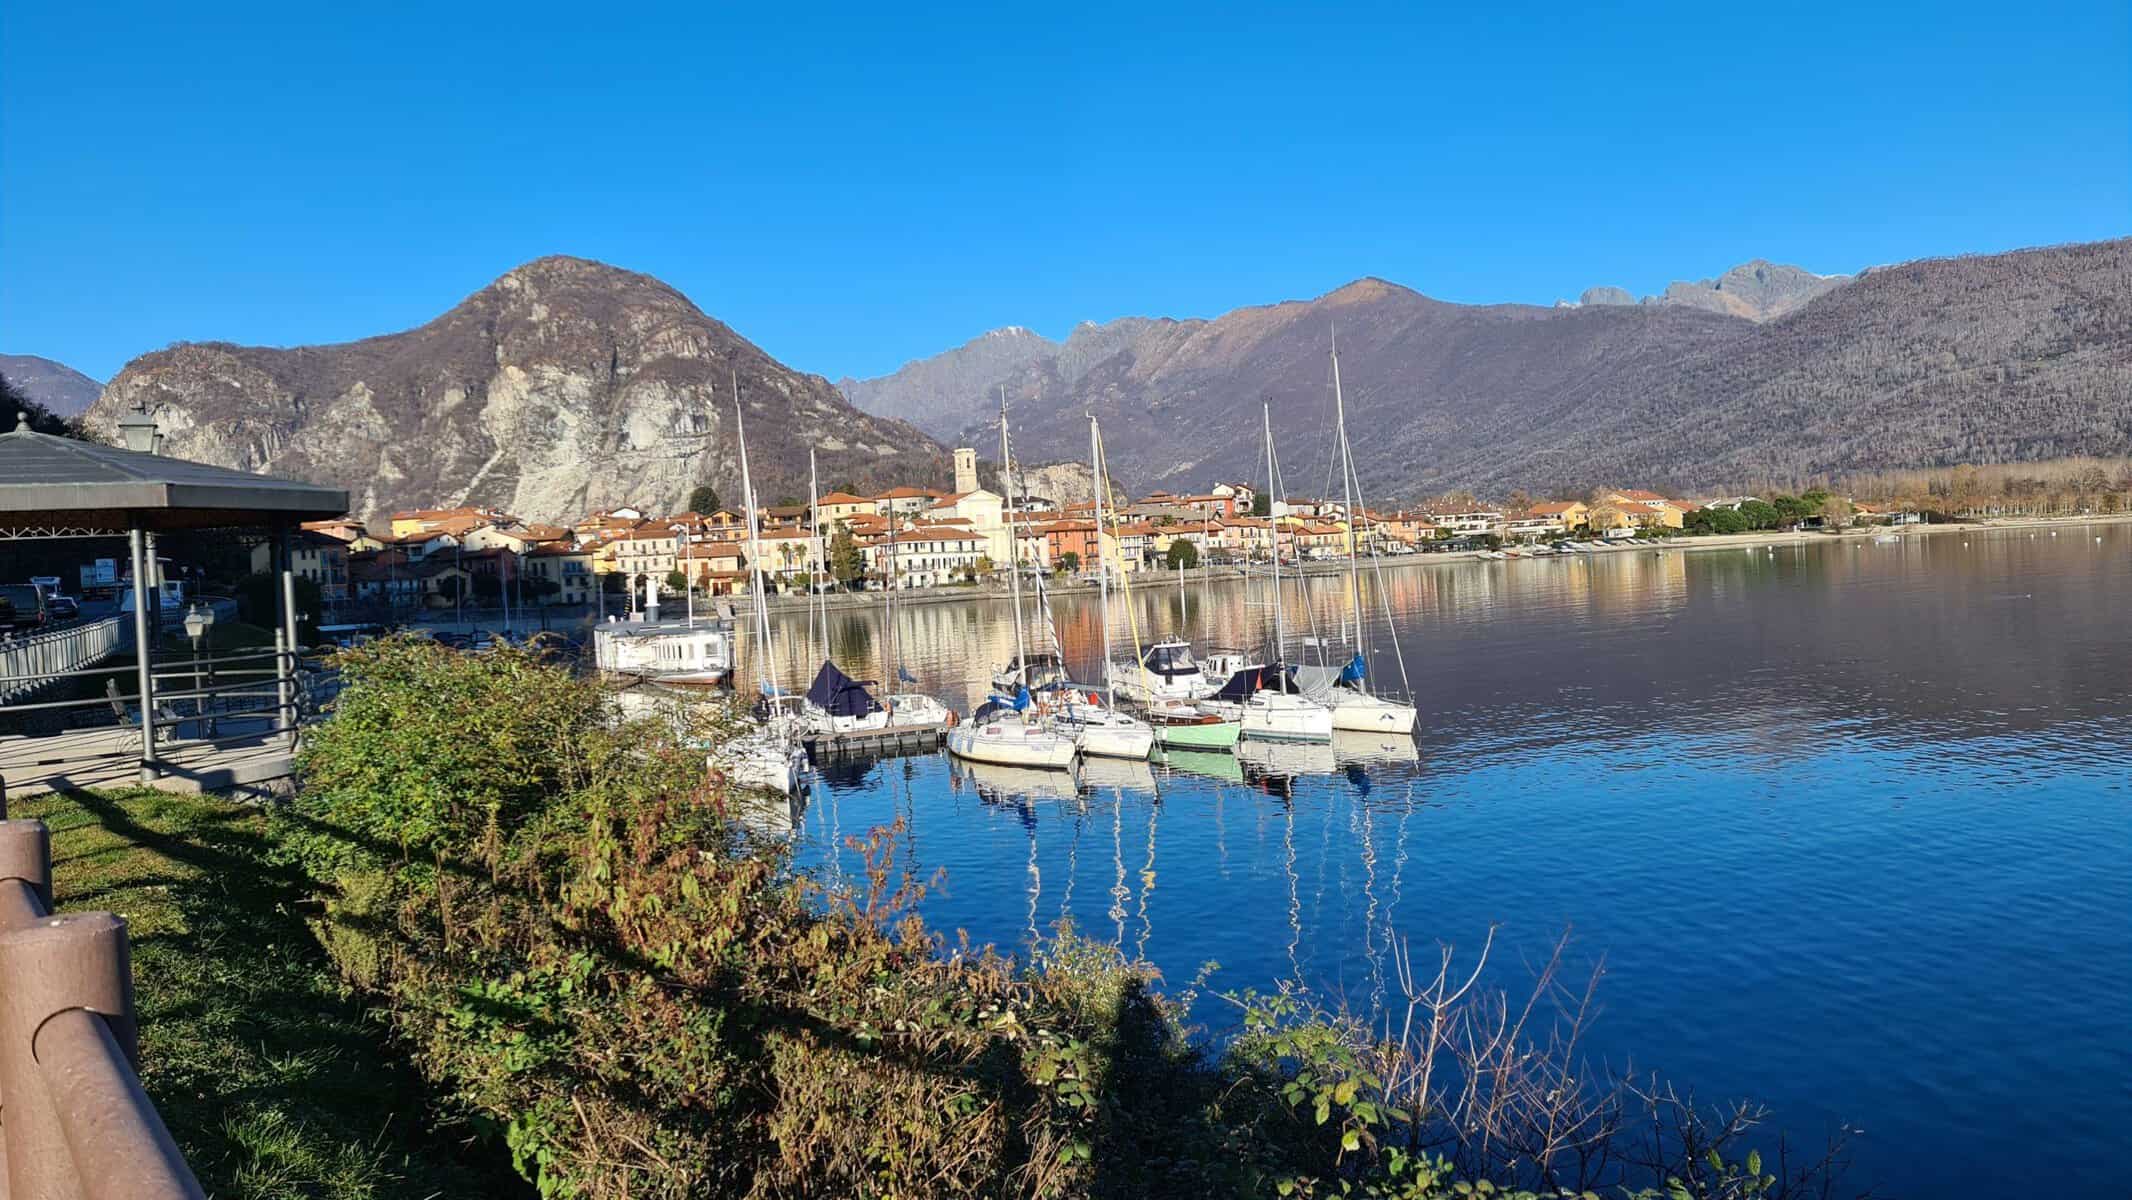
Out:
{"x": 265, "y": 1069}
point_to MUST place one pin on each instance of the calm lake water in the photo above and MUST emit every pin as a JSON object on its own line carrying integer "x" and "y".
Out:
{"x": 1850, "y": 824}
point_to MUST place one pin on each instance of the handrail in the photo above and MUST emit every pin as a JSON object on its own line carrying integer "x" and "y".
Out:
{"x": 33, "y": 662}
{"x": 74, "y": 1117}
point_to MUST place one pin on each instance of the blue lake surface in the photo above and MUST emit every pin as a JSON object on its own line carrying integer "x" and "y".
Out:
{"x": 1849, "y": 824}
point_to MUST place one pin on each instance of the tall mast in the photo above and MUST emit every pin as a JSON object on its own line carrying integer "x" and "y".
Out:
{"x": 1095, "y": 463}
{"x": 1273, "y": 519}
{"x": 820, "y": 565}
{"x": 1347, "y": 486}
{"x": 888, "y": 611}
{"x": 766, "y": 666}
{"x": 1014, "y": 565}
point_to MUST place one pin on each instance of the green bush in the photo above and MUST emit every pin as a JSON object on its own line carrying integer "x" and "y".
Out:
{"x": 575, "y": 941}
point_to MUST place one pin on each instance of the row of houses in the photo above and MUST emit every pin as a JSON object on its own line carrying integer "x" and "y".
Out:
{"x": 913, "y": 536}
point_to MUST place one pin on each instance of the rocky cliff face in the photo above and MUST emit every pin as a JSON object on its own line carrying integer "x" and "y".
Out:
{"x": 565, "y": 386}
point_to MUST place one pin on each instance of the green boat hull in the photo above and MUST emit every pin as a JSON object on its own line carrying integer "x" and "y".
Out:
{"x": 1220, "y": 736}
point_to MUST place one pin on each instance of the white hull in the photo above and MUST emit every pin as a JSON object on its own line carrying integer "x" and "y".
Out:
{"x": 1110, "y": 735}
{"x": 909, "y": 711}
{"x": 770, "y": 763}
{"x": 1280, "y": 717}
{"x": 1356, "y": 712}
{"x": 1010, "y": 743}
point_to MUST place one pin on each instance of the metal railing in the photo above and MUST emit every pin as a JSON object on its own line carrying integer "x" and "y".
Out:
{"x": 74, "y": 1120}
{"x": 29, "y": 663}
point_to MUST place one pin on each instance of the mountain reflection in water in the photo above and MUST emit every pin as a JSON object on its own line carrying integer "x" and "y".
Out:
{"x": 1849, "y": 823}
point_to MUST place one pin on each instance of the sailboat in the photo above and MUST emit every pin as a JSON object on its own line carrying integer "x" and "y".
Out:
{"x": 771, "y": 755}
{"x": 1012, "y": 731}
{"x": 1261, "y": 695}
{"x": 1100, "y": 729}
{"x": 841, "y": 714}
{"x": 1355, "y": 706}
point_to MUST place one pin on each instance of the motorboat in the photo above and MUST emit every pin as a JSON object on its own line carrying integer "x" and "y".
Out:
{"x": 1003, "y": 735}
{"x": 1165, "y": 670}
{"x": 678, "y": 655}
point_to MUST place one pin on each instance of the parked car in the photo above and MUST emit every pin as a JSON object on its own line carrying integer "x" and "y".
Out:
{"x": 22, "y": 608}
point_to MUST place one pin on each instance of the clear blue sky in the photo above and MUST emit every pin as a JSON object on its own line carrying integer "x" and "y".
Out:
{"x": 854, "y": 188}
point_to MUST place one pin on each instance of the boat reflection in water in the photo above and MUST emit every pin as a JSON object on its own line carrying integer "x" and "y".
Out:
{"x": 1009, "y": 784}
{"x": 1210, "y": 764}
{"x": 1368, "y": 749}
{"x": 1112, "y": 774}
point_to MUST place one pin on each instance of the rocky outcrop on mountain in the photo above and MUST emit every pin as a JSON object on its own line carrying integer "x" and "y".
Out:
{"x": 1758, "y": 291}
{"x": 1983, "y": 359}
{"x": 55, "y": 385}
{"x": 943, "y": 393}
{"x": 564, "y": 386}
{"x": 955, "y": 394}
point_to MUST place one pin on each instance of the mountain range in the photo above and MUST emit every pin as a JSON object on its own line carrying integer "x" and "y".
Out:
{"x": 569, "y": 385}
{"x": 564, "y": 386}
{"x": 1766, "y": 374}
{"x": 55, "y": 385}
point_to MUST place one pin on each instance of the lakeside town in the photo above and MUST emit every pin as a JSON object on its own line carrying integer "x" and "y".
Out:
{"x": 913, "y": 537}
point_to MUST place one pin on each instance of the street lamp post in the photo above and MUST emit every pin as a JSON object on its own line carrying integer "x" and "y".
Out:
{"x": 199, "y": 621}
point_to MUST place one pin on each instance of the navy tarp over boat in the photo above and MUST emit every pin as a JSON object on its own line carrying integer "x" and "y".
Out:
{"x": 839, "y": 694}
{"x": 1242, "y": 684}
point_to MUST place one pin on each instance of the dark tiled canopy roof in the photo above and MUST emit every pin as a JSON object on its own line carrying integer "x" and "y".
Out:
{"x": 48, "y": 481}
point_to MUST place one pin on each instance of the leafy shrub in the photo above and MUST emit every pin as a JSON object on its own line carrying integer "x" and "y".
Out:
{"x": 576, "y": 942}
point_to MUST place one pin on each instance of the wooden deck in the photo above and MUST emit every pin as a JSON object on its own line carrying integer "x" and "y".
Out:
{"x": 109, "y": 756}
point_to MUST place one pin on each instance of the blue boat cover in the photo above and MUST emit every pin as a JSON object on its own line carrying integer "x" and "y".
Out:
{"x": 839, "y": 694}
{"x": 1242, "y": 684}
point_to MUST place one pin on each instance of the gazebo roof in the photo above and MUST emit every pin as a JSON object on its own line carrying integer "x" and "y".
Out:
{"x": 55, "y": 484}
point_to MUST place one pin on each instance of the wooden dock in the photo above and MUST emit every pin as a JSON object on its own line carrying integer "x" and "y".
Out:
{"x": 917, "y": 739}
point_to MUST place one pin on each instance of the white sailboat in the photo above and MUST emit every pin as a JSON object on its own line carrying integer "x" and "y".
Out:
{"x": 770, "y": 756}
{"x": 1269, "y": 710}
{"x": 839, "y": 713}
{"x": 1355, "y": 705}
{"x": 1013, "y": 732}
{"x": 1100, "y": 729}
